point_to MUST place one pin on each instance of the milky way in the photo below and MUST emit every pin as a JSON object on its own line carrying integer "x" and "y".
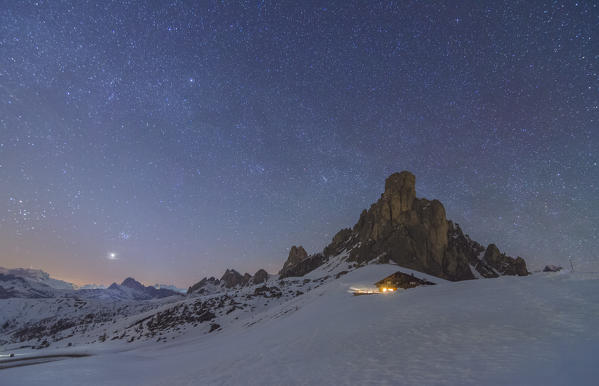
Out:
{"x": 172, "y": 141}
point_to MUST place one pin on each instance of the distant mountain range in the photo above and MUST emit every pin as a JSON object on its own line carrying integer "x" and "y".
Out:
{"x": 35, "y": 283}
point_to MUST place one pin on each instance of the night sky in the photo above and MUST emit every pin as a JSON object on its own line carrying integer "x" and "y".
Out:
{"x": 172, "y": 141}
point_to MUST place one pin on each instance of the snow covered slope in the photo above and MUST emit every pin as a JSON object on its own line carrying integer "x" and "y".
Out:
{"x": 540, "y": 329}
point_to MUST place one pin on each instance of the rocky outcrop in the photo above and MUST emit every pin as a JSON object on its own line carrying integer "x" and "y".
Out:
{"x": 203, "y": 284}
{"x": 465, "y": 250}
{"x": 260, "y": 277}
{"x": 552, "y": 268}
{"x": 299, "y": 263}
{"x": 341, "y": 241}
{"x": 411, "y": 232}
{"x": 503, "y": 264}
{"x": 414, "y": 233}
{"x": 232, "y": 278}
{"x": 304, "y": 266}
{"x": 296, "y": 255}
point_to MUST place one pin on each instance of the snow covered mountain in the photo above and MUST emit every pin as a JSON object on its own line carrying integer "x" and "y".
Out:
{"x": 30, "y": 283}
{"x": 129, "y": 289}
{"x": 418, "y": 319}
{"x": 539, "y": 329}
{"x": 38, "y": 276}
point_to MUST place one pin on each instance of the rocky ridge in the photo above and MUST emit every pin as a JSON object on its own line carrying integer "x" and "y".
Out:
{"x": 414, "y": 233}
{"x": 230, "y": 279}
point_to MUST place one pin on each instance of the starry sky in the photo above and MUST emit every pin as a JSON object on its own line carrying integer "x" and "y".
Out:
{"x": 174, "y": 140}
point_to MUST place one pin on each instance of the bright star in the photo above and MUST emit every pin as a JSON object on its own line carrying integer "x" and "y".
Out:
{"x": 112, "y": 256}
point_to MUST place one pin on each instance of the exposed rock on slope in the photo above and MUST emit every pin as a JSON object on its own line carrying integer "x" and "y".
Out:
{"x": 296, "y": 256}
{"x": 414, "y": 233}
{"x": 552, "y": 268}
{"x": 231, "y": 278}
{"x": 299, "y": 263}
{"x": 204, "y": 286}
{"x": 260, "y": 277}
{"x": 504, "y": 264}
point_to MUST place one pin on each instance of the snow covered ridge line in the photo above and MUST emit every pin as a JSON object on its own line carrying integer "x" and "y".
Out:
{"x": 63, "y": 322}
{"x": 28, "y": 283}
{"x": 538, "y": 330}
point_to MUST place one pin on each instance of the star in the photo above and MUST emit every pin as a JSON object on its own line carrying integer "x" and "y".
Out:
{"x": 247, "y": 130}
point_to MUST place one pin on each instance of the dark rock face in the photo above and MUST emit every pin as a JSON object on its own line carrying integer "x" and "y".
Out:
{"x": 246, "y": 279}
{"x": 409, "y": 231}
{"x": 342, "y": 240}
{"x": 402, "y": 280}
{"x": 296, "y": 256}
{"x": 552, "y": 268}
{"x": 504, "y": 264}
{"x": 232, "y": 278}
{"x": 299, "y": 263}
{"x": 304, "y": 266}
{"x": 260, "y": 277}
{"x": 414, "y": 233}
{"x": 463, "y": 249}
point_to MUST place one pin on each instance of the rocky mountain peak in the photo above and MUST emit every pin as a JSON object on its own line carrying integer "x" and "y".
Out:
{"x": 260, "y": 276}
{"x": 296, "y": 255}
{"x": 414, "y": 233}
{"x": 133, "y": 284}
{"x": 400, "y": 191}
{"x": 232, "y": 278}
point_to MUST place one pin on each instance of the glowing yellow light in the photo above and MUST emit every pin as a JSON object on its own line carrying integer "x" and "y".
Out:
{"x": 384, "y": 289}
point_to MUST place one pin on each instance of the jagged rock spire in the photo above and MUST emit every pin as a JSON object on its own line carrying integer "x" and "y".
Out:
{"x": 415, "y": 233}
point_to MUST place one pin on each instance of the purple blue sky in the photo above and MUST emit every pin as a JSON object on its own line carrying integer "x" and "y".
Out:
{"x": 189, "y": 137}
